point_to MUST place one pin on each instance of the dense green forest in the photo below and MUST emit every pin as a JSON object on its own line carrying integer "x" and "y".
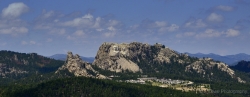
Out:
{"x": 15, "y": 66}
{"x": 242, "y": 66}
{"x": 89, "y": 87}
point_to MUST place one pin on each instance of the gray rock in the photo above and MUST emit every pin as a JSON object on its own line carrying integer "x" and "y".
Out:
{"x": 121, "y": 57}
{"x": 126, "y": 57}
{"x": 74, "y": 64}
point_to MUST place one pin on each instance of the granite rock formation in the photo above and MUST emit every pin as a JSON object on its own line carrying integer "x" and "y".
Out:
{"x": 203, "y": 65}
{"x": 74, "y": 64}
{"x": 137, "y": 57}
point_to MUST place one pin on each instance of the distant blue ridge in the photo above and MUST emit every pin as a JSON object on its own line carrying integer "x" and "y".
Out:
{"x": 228, "y": 59}
{"x": 64, "y": 56}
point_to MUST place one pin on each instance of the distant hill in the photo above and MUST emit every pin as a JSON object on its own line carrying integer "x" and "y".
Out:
{"x": 242, "y": 66}
{"x": 228, "y": 59}
{"x": 64, "y": 56}
{"x": 15, "y": 65}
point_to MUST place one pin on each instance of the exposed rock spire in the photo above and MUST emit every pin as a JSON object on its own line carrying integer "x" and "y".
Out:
{"x": 75, "y": 65}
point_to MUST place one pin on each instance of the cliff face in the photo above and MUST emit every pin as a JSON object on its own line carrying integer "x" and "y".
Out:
{"x": 74, "y": 64}
{"x": 139, "y": 57}
{"x": 122, "y": 57}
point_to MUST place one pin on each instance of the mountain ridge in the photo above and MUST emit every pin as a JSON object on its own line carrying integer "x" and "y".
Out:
{"x": 242, "y": 66}
{"x": 228, "y": 59}
{"x": 63, "y": 57}
{"x": 150, "y": 59}
{"x": 134, "y": 58}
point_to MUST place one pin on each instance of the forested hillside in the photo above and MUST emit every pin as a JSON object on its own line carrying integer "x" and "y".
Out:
{"x": 243, "y": 66}
{"x": 89, "y": 87}
{"x": 14, "y": 65}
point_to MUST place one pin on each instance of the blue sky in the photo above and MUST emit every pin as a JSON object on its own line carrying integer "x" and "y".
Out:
{"x": 50, "y": 27}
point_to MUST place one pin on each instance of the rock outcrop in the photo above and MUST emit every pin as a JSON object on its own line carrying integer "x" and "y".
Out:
{"x": 5, "y": 70}
{"x": 203, "y": 65}
{"x": 122, "y": 57}
{"x": 75, "y": 65}
{"x": 139, "y": 57}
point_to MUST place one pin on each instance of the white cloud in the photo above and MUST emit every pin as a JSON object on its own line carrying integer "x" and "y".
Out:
{"x": 224, "y": 8}
{"x": 111, "y": 28}
{"x": 178, "y": 35}
{"x": 196, "y": 23}
{"x": 186, "y": 34}
{"x": 57, "y": 31}
{"x": 14, "y": 30}
{"x": 97, "y": 22}
{"x": 31, "y": 42}
{"x": 232, "y": 33}
{"x": 213, "y": 17}
{"x": 109, "y": 34}
{"x": 171, "y": 28}
{"x": 133, "y": 27}
{"x": 8, "y": 23}
{"x": 48, "y": 20}
{"x": 88, "y": 16}
{"x": 76, "y": 35}
{"x": 209, "y": 33}
{"x": 160, "y": 23}
{"x": 70, "y": 37}
{"x": 49, "y": 40}
{"x": 48, "y": 14}
{"x": 113, "y": 22}
{"x": 99, "y": 29}
{"x": 148, "y": 25}
{"x": 189, "y": 33}
{"x": 14, "y": 10}
{"x": 85, "y": 21}
{"x": 79, "y": 33}
{"x": 24, "y": 43}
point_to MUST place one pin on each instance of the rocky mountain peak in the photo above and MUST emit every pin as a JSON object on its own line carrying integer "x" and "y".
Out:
{"x": 74, "y": 64}
{"x": 112, "y": 56}
{"x": 121, "y": 57}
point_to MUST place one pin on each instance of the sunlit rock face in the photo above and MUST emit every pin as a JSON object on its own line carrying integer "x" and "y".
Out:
{"x": 137, "y": 57}
{"x": 122, "y": 57}
{"x": 74, "y": 64}
{"x": 112, "y": 56}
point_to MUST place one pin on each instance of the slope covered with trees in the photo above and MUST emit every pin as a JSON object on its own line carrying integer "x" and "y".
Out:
{"x": 89, "y": 87}
{"x": 242, "y": 66}
{"x": 14, "y": 65}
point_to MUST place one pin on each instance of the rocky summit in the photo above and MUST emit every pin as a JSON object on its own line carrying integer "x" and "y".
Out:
{"x": 145, "y": 58}
{"x": 111, "y": 56}
{"x": 74, "y": 64}
{"x": 202, "y": 66}
{"x": 121, "y": 57}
